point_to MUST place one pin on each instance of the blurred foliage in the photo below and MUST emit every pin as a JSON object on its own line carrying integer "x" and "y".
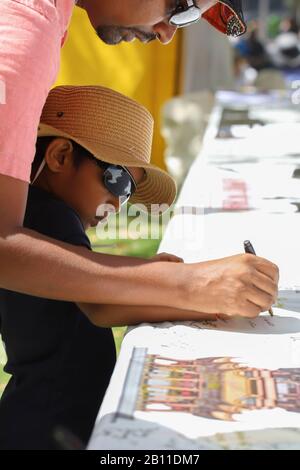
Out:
{"x": 274, "y": 26}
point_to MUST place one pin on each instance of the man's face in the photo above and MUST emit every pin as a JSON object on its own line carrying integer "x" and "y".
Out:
{"x": 125, "y": 20}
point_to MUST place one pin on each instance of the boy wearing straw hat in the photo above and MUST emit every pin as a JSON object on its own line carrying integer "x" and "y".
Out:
{"x": 93, "y": 149}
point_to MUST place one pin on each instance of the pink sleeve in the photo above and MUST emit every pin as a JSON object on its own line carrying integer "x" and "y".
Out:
{"x": 30, "y": 41}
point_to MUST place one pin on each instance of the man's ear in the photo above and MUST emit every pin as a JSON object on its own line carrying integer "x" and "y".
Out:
{"x": 59, "y": 155}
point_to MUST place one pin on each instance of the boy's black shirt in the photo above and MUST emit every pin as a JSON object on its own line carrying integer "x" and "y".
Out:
{"x": 60, "y": 363}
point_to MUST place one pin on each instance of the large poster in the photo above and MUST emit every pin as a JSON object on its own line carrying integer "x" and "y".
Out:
{"x": 231, "y": 383}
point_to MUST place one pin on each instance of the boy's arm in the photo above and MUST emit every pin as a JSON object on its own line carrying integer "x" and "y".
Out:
{"x": 107, "y": 316}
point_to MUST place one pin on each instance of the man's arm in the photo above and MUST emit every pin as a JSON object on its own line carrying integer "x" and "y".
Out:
{"x": 34, "y": 264}
{"x": 40, "y": 266}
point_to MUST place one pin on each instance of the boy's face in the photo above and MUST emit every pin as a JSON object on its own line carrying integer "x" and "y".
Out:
{"x": 86, "y": 192}
{"x": 80, "y": 187}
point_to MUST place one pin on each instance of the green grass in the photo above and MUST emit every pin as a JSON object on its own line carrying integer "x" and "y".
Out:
{"x": 139, "y": 248}
{"x": 142, "y": 248}
{"x": 118, "y": 336}
{"x": 3, "y": 376}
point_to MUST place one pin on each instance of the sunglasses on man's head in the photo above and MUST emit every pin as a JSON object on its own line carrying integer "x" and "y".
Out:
{"x": 117, "y": 180}
{"x": 186, "y": 12}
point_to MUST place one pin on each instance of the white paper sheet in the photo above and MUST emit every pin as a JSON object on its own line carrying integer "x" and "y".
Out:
{"x": 204, "y": 380}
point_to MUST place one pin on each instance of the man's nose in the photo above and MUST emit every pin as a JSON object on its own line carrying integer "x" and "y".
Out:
{"x": 164, "y": 32}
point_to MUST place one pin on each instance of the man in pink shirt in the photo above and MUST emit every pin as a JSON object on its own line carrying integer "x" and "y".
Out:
{"x": 31, "y": 35}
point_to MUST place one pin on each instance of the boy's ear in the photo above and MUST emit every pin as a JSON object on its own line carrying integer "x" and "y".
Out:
{"x": 59, "y": 154}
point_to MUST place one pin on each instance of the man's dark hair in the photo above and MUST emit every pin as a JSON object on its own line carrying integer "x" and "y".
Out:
{"x": 42, "y": 143}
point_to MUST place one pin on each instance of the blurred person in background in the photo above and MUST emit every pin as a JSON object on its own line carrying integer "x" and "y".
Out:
{"x": 285, "y": 49}
{"x": 255, "y": 51}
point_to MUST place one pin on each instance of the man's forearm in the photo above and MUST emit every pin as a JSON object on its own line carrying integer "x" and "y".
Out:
{"x": 107, "y": 316}
{"x": 39, "y": 266}
{"x": 30, "y": 263}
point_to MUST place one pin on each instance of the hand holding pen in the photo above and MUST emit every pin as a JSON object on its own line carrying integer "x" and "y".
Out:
{"x": 249, "y": 249}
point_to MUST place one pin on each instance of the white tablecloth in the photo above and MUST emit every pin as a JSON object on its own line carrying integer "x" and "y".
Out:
{"x": 233, "y": 384}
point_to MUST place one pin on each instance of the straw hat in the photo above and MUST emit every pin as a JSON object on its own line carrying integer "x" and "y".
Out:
{"x": 112, "y": 127}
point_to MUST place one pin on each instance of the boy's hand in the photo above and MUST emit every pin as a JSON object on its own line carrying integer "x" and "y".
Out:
{"x": 167, "y": 257}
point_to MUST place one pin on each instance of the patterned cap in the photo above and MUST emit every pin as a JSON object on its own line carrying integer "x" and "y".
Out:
{"x": 227, "y": 16}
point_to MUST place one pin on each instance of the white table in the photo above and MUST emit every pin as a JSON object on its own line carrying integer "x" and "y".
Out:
{"x": 237, "y": 200}
{"x": 232, "y": 198}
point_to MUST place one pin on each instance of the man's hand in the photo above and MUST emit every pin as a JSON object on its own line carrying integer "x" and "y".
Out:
{"x": 167, "y": 257}
{"x": 243, "y": 285}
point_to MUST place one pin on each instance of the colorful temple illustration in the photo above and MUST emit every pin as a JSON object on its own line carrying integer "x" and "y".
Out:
{"x": 215, "y": 387}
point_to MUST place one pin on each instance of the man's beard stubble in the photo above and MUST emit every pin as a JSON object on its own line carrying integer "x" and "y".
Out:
{"x": 114, "y": 35}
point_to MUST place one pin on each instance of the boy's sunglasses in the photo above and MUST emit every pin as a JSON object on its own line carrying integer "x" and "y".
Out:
{"x": 117, "y": 180}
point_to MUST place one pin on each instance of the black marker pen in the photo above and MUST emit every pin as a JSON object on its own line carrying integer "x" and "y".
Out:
{"x": 249, "y": 249}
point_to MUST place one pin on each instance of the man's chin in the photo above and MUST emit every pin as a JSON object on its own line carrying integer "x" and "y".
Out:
{"x": 109, "y": 35}
{"x": 114, "y": 35}
{"x": 111, "y": 42}
{"x": 119, "y": 41}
